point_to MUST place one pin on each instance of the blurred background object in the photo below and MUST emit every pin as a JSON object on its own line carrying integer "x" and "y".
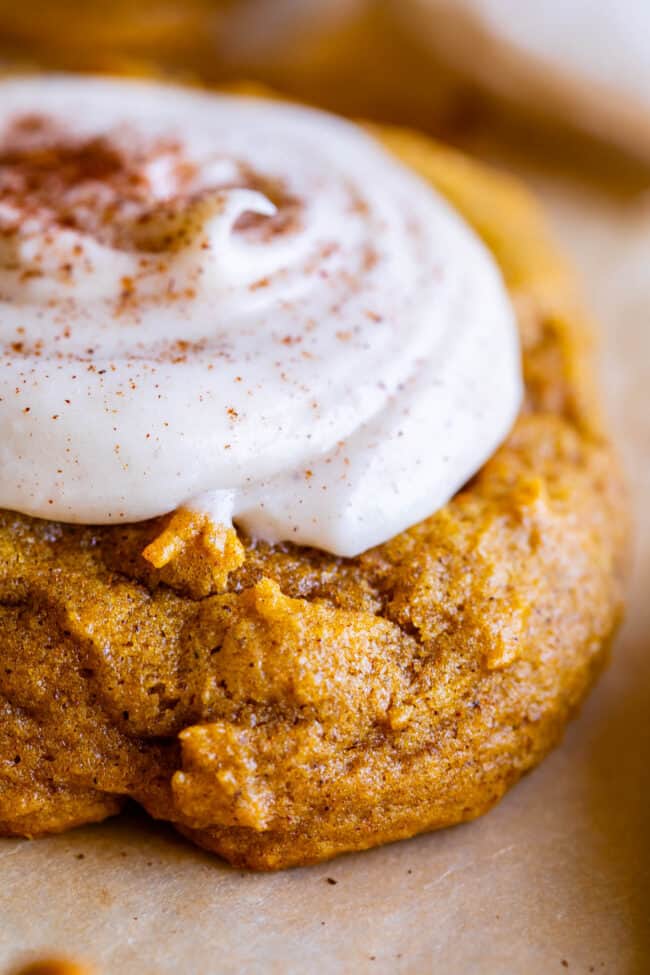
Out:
{"x": 536, "y": 78}
{"x": 98, "y": 34}
{"x": 581, "y": 63}
{"x": 345, "y": 55}
{"x": 54, "y": 966}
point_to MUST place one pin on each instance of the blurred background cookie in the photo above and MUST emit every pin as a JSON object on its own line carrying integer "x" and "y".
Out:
{"x": 577, "y": 62}
{"x": 105, "y": 33}
{"x": 346, "y": 55}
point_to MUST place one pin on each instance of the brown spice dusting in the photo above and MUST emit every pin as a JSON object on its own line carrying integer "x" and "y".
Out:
{"x": 374, "y": 316}
{"x": 262, "y": 283}
{"x": 370, "y": 258}
{"x": 287, "y": 218}
{"x": 97, "y": 187}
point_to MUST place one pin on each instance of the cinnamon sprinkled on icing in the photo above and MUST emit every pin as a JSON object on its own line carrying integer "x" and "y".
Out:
{"x": 237, "y": 306}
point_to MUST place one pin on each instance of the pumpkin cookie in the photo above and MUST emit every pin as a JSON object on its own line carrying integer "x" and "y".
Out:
{"x": 284, "y": 702}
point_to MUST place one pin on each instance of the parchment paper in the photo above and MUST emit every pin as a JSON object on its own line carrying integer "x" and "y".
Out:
{"x": 556, "y": 878}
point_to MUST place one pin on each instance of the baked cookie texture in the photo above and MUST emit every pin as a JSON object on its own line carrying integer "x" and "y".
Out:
{"x": 280, "y": 705}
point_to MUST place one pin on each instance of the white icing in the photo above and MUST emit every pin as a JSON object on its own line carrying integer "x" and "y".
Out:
{"x": 344, "y": 365}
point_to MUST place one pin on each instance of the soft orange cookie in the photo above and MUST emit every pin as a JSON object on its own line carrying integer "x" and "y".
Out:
{"x": 280, "y": 705}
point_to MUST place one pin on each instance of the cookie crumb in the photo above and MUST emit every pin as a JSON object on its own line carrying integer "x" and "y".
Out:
{"x": 55, "y": 966}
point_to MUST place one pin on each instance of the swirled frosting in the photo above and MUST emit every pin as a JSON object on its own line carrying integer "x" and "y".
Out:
{"x": 238, "y": 306}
